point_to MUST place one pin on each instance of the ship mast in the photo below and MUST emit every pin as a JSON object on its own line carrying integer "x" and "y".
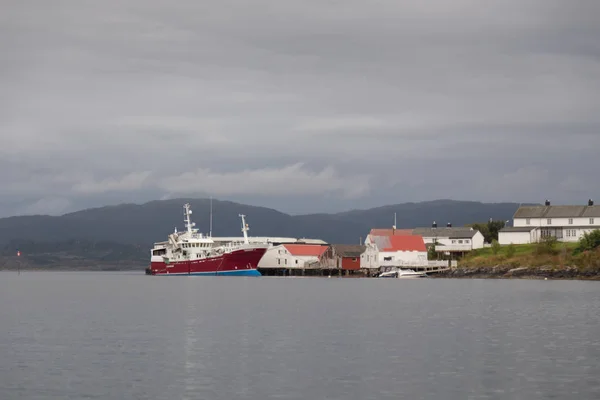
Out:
{"x": 210, "y": 227}
{"x": 188, "y": 222}
{"x": 245, "y": 229}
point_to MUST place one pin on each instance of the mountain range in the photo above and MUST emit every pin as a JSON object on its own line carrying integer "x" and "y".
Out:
{"x": 137, "y": 226}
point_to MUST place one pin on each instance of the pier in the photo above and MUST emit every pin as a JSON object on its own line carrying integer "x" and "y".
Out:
{"x": 324, "y": 270}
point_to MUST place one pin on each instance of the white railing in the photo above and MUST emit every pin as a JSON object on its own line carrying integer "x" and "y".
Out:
{"x": 327, "y": 264}
{"x": 453, "y": 247}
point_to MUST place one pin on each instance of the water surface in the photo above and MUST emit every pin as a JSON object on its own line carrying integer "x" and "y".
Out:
{"x": 109, "y": 335}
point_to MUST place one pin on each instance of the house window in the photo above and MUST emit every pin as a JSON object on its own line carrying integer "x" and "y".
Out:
{"x": 354, "y": 259}
{"x": 460, "y": 241}
{"x": 279, "y": 261}
{"x": 570, "y": 221}
{"x": 591, "y": 221}
{"x": 549, "y": 221}
{"x": 387, "y": 258}
{"x": 467, "y": 241}
{"x": 528, "y": 221}
{"x": 454, "y": 242}
{"x": 296, "y": 261}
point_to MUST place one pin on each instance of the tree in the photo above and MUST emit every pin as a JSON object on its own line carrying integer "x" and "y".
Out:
{"x": 489, "y": 229}
{"x": 431, "y": 253}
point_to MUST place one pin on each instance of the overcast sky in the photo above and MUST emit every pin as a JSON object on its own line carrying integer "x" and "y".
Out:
{"x": 299, "y": 105}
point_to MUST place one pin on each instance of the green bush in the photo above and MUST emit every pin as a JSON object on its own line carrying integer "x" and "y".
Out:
{"x": 589, "y": 241}
{"x": 510, "y": 250}
{"x": 495, "y": 246}
{"x": 546, "y": 246}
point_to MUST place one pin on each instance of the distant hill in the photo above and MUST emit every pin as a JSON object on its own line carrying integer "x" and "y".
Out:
{"x": 146, "y": 223}
{"x": 130, "y": 229}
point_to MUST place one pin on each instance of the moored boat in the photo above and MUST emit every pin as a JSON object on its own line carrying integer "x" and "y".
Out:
{"x": 403, "y": 274}
{"x": 193, "y": 253}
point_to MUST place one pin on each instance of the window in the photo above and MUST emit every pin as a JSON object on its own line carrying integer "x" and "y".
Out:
{"x": 570, "y": 221}
{"x": 467, "y": 241}
{"x": 387, "y": 258}
{"x": 354, "y": 259}
{"x": 549, "y": 221}
{"x": 591, "y": 221}
{"x": 546, "y": 232}
{"x": 460, "y": 241}
{"x": 296, "y": 261}
{"x": 528, "y": 221}
{"x": 454, "y": 242}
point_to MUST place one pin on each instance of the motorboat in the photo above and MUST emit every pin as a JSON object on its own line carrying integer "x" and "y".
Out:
{"x": 403, "y": 274}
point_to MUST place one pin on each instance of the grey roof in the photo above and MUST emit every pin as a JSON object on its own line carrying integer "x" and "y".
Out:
{"x": 557, "y": 212}
{"x": 349, "y": 250}
{"x": 591, "y": 211}
{"x": 454, "y": 233}
{"x": 382, "y": 242}
{"x": 518, "y": 229}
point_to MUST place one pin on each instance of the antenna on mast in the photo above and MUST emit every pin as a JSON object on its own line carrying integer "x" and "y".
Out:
{"x": 188, "y": 222}
{"x": 245, "y": 229}
{"x": 210, "y": 229}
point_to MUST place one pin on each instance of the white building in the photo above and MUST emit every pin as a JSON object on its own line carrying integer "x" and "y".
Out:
{"x": 565, "y": 223}
{"x": 398, "y": 250}
{"x": 517, "y": 235}
{"x": 292, "y": 256}
{"x": 450, "y": 239}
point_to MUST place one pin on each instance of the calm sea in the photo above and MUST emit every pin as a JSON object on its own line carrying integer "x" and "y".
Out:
{"x": 87, "y": 335}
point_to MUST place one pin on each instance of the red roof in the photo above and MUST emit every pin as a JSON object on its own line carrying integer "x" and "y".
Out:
{"x": 391, "y": 232}
{"x": 316, "y": 250}
{"x": 400, "y": 243}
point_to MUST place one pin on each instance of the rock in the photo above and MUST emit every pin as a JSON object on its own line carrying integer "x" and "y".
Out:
{"x": 517, "y": 271}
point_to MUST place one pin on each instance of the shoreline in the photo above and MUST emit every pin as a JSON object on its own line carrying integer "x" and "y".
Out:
{"x": 510, "y": 272}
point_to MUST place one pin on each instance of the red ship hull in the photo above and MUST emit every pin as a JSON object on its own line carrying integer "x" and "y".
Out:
{"x": 237, "y": 263}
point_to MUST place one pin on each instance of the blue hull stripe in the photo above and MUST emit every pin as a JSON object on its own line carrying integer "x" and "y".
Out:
{"x": 241, "y": 272}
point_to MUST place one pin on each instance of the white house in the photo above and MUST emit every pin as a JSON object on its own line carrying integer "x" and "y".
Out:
{"x": 291, "y": 256}
{"x": 517, "y": 235}
{"x": 566, "y": 223}
{"x": 398, "y": 250}
{"x": 450, "y": 239}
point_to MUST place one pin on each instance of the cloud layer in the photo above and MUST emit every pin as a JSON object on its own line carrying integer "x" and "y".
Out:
{"x": 304, "y": 105}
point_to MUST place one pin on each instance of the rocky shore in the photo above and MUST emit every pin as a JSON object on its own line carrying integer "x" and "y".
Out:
{"x": 509, "y": 272}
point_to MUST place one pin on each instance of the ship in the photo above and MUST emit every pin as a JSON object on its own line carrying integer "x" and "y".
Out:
{"x": 193, "y": 253}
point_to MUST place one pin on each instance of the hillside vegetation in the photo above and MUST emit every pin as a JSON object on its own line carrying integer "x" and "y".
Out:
{"x": 547, "y": 257}
{"x": 153, "y": 221}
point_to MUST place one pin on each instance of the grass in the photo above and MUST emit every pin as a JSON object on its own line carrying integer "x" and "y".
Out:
{"x": 533, "y": 255}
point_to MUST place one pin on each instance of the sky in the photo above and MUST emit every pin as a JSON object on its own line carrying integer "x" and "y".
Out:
{"x": 303, "y": 106}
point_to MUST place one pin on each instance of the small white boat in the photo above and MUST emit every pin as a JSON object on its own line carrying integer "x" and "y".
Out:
{"x": 403, "y": 274}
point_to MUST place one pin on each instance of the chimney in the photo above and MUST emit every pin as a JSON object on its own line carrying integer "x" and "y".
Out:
{"x": 434, "y": 225}
{"x": 590, "y": 202}
{"x": 547, "y": 202}
{"x": 449, "y": 225}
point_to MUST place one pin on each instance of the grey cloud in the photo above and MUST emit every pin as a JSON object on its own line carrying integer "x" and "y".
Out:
{"x": 114, "y": 101}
